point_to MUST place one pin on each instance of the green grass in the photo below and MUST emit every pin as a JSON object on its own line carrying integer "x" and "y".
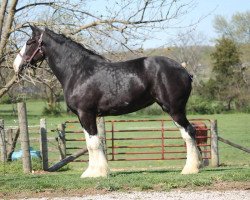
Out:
{"x": 140, "y": 175}
{"x": 160, "y": 180}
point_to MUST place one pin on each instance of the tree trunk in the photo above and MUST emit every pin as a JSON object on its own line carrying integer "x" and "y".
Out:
{"x": 2, "y": 14}
{"x": 7, "y": 28}
{"x": 229, "y": 103}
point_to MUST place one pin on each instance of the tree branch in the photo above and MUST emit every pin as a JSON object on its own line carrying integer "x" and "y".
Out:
{"x": 6, "y": 88}
{"x": 112, "y": 21}
{"x": 35, "y": 4}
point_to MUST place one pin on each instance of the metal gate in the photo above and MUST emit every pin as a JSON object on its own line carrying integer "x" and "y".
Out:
{"x": 143, "y": 139}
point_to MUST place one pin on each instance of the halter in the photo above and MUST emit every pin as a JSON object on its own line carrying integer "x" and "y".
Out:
{"x": 38, "y": 49}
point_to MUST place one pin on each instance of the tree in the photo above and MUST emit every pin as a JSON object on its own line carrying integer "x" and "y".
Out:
{"x": 227, "y": 81}
{"x": 238, "y": 28}
{"x": 188, "y": 48}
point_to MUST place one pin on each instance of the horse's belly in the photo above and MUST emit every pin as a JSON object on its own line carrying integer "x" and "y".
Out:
{"x": 124, "y": 107}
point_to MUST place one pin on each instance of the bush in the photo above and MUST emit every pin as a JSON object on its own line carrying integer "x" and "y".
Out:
{"x": 7, "y": 100}
{"x": 245, "y": 109}
{"x": 52, "y": 110}
{"x": 199, "y": 105}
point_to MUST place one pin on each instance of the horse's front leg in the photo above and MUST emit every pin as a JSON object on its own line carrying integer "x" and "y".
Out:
{"x": 98, "y": 166}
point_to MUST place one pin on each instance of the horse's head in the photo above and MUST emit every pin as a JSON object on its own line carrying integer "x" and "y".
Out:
{"x": 31, "y": 53}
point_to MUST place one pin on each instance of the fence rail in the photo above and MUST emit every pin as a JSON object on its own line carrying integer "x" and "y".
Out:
{"x": 129, "y": 140}
{"x": 154, "y": 141}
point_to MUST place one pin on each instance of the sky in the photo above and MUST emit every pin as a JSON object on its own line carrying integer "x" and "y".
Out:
{"x": 209, "y": 8}
{"x": 225, "y": 8}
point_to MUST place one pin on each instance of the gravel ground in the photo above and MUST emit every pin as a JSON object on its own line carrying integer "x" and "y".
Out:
{"x": 173, "y": 195}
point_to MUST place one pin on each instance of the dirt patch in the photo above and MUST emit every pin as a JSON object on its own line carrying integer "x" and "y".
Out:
{"x": 230, "y": 186}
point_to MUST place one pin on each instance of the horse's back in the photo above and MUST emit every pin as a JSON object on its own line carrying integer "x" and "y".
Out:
{"x": 156, "y": 72}
{"x": 154, "y": 65}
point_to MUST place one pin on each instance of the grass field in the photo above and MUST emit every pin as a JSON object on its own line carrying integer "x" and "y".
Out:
{"x": 143, "y": 175}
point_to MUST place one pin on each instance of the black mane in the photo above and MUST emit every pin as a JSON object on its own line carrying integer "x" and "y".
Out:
{"x": 61, "y": 38}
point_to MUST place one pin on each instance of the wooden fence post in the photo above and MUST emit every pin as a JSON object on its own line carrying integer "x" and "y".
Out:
{"x": 24, "y": 135}
{"x": 2, "y": 142}
{"x": 62, "y": 141}
{"x": 12, "y": 137}
{"x": 102, "y": 133}
{"x": 214, "y": 144}
{"x": 43, "y": 143}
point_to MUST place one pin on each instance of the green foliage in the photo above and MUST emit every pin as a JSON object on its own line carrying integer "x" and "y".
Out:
{"x": 199, "y": 105}
{"x": 226, "y": 57}
{"x": 52, "y": 110}
{"x": 6, "y": 99}
{"x": 227, "y": 75}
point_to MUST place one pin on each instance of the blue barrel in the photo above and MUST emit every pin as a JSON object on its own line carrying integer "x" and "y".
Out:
{"x": 16, "y": 155}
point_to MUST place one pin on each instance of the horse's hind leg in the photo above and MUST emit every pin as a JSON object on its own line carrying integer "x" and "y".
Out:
{"x": 194, "y": 160}
{"x": 176, "y": 110}
{"x": 98, "y": 166}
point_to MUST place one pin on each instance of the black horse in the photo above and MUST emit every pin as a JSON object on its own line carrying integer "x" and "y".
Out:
{"x": 94, "y": 86}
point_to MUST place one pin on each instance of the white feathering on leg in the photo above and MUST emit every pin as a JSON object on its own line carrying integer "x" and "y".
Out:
{"x": 98, "y": 166}
{"x": 193, "y": 161}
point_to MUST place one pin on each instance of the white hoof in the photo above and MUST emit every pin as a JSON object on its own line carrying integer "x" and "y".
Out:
{"x": 190, "y": 170}
{"x": 94, "y": 173}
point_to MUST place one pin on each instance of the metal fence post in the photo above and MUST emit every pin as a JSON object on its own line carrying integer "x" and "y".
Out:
{"x": 214, "y": 144}
{"x": 43, "y": 143}
{"x": 2, "y": 142}
{"x": 25, "y": 145}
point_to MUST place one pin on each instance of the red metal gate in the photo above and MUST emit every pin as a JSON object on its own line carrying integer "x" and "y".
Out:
{"x": 144, "y": 139}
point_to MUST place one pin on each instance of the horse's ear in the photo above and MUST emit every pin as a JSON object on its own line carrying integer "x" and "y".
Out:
{"x": 35, "y": 30}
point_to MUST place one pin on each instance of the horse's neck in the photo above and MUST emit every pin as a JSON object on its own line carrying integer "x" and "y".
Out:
{"x": 63, "y": 59}
{"x": 60, "y": 60}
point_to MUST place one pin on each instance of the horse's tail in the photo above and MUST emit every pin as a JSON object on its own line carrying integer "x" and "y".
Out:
{"x": 184, "y": 64}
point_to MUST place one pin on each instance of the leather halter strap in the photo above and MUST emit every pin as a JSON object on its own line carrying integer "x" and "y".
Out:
{"x": 38, "y": 49}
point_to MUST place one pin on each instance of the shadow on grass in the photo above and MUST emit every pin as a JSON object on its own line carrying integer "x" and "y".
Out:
{"x": 144, "y": 171}
{"x": 221, "y": 169}
{"x": 178, "y": 171}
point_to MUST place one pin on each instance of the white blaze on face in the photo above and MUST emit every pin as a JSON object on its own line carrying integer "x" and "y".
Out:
{"x": 18, "y": 62}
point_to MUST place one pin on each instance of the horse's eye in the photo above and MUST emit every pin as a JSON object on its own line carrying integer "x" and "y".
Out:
{"x": 30, "y": 41}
